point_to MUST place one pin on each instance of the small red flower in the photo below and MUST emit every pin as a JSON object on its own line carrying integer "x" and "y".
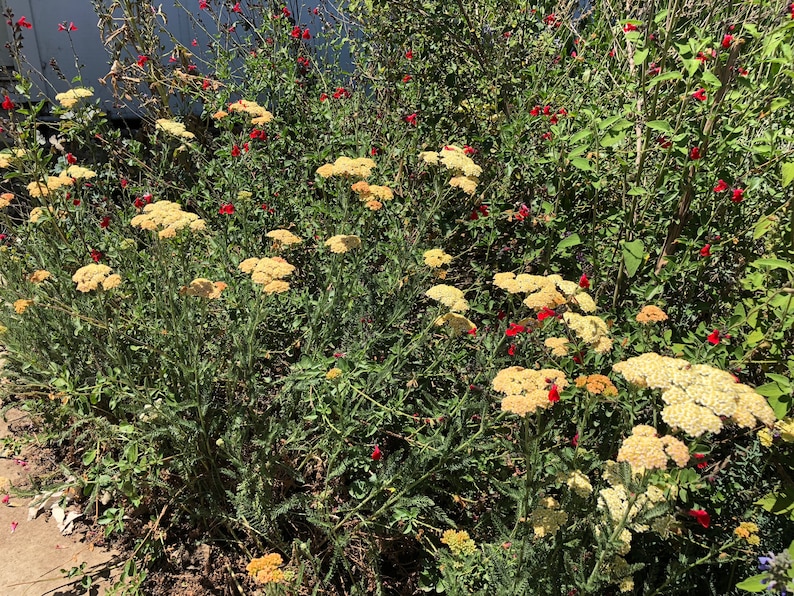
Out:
{"x": 701, "y": 516}
{"x": 411, "y": 119}
{"x": 296, "y": 32}
{"x": 105, "y": 223}
{"x": 705, "y": 251}
{"x": 23, "y": 22}
{"x": 611, "y": 53}
{"x": 575, "y": 440}
{"x": 522, "y": 212}
{"x": 483, "y": 209}
{"x": 702, "y": 463}
{"x": 714, "y": 337}
{"x": 139, "y": 203}
{"x": 472, "y": 331}
{"x": 737, "y": 196}
{"x": 727, "y": 40}
{"x": 654, "y": 69}
{"x": 235, "y": 151}
{"x": 535, "y": 111}
{"x": 546, "y": 110}
{"x": 546, "y": 313}
{"x": 553, "y": 120}
{"x": 71, "y": 159}
{"x": 584, "y": 282}
{"x": 374, "y": 151}
{"x": 142, "y": 60}
{"x": 514, "y": 329}
{"x": 123, "y": 182}
{"x": 315, "y": 11}
{"x": 629, "y": 27}
{"x": 376, "y": 453}
{"x": 205, "y": 84}
{"x": 5, "y": 499}
{"x": 700, "y": 94}
{"x": 236, "y": 8}
{"x": 306, "y": 34}
{"x": 468, "y": 150}
{"x": 246, "y": 147}
{"x": 7, "y": 104}
{"x": 546, "y": 136}
{"x": 407, "y": 78}
{"x": 501, "y": 315}
{"x": 226, "y": 209}
{"x": 409, "y": 55}
{"x": 664, "y": 142}
{"x": 341, "y": 93}
{"x": 323, "y": 96}
{"x": 285, "y": 11}
{"x": 694, "y": 153}
{"x": 148, "y": 198}
{"x": 511, "y": 351}
{"x": 14, "y": 526}
{"x": 554, "y": 394}
{"x": 194, "y": 43}
{"x": 61, "y": 27}
{"x": 96, "y": 256}
{"x": 721, "y": 186}
{"x": 203, "y": 5}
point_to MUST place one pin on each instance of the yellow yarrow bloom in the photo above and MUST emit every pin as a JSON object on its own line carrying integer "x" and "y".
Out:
{"x": 360, "y": 167}
{"x": 459, "y": 542}
{"x": 265, "y": 570}
{"x": 644, "y": 450}
{"x": 69, "y": 98}
{"x": 174, "y": 128}
{"x": 78, "y": 172}
{"x": 458, "y": 323}
{"x": 22, "y": 305}
{"x": 334, "y": 373}
{"x": 749, "y": 532}
{"x": 90, "y": 277}
{"x": 168, "y": 217}
{"x": 448, "y": 296}
{"x": 467, "y": 184}
{"x": 203, "y": 288}
{"x": 557, "y": 345}
{"x": 436, "y": 257}
{"x": 5, "y": 199}
{"x": 250, "y": 107}
{"x": 547, "y": 518}
{"x": 597, "y": 384}
{"x": 341, "y": 243}
{"x": 579, "y": 483}
{"x": 527, "y": 389}
{"x": 283, "y": 237}
{"x": 39, "y": 276}
{"x": 651, "y": 314}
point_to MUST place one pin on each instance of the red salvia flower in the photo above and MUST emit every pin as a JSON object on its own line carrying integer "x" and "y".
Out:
{"x": 411, "y": 118}
{"x": 535, "y": 111}
{"x": 7, "y": 104}
{"x": 61, "y": 27}
{"x": 96, "y": 256}
{"x": 584, "y": 282}
{"x": 714, "y": 337}
{"x": 306, "y": 34}
{"x": 409, "y": 55}
{"x": 285, "y": 11}
{"x": 236, "y": 8}
{"x": 235, "y": 151}
{"x": 376, "y": 453}
{"x": 522, "y": 212}
{"x": 203, "y": 5}
{"x": 554, "y": 394}
{"x": 514, "y": 329}
{"x": 472, "y": 331}
{"x": 721, "y": 186}
{"x": 629, "y": 27}
{"x": 123, "y": 183}
{"x": 71, "y": 159}
{"x": 701, "y": 516}
{"x": 546, "y": 110}
{"x": 727, "y": 41}
{"x": 205, "y": 84}
{"x": 296, "y": 32}
{"x": 511, "y": 351}
{"x": 694, "y": 153}
{"x": 105, "y": 223}
{"x": 705, "y": 251}
{"x": 226, "y": 209}
{"x": 737, "y": 196}
{"x": 23, "y": 22}
{"x": 468, "y": 150}
{"x": 575, "y": 440}
{"x": 323, "y": 96}
{"x": 700, "y": 94}
{"x": 545, "y": 313}
{"x": 664, "y": 142}
{"x": 139, "y": 203}
{"x": 142, "y": 60}
{"x": 407, "y": 78}
{"x": 546, "y": 136}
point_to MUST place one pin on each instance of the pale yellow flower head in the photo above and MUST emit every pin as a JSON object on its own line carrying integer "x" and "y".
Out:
{"x": 78, "y": 172}
{"x": 651, "y": 314}
{"x": 527, "y": 389}
{"x": 22, "y": 305}
{"x": 458, "y": 323}
{"x": 597, "y": 385}
{"x": 90, "y": 277}
{"x": 69, "y": 98}
{"x": 168, "y": 218}
{"x": 333, "y": 374}
{"x": 283, "y": 237}
{"x": 203, "y": 288}
{"x": 547, "y": 518}
{"x": 250, "y": 107}
{"x": 467, "y": 184}
{"x": 341, "y": 243}
{"x": 39, "y": 276}
{"x": 448, "y": 296}
{"x": 265, "y": 570}
{"x": 360, "y": 167}
{"x": 459, "y": 542}
{"x": 436, "y": 257}
{"x": 749, "y": 532}
{"x": 644, "y": 450}
{"x": 5, "y": 199}
{"x": 174, "y": 128}
{"x": 557, "y": 345}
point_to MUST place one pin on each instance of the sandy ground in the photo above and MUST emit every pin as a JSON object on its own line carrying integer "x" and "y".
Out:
{"x": 34, "y": 553}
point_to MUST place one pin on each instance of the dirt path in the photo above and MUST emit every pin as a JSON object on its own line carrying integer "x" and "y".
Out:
{"x": 34, "y": 552}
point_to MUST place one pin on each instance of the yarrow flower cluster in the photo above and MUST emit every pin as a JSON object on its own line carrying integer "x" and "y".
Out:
{"x": 265, "y": 570}
{"x": 547, "y": 518}
{"x": 749, "y": 532}
{"x": 342, "y": 243}
{"x": 68, "y": 99}
{"x": 466, "y": 173}
{"x": 651, "y": 314}
{"x": 259, "y": 114}
{"x": 203, "y": 288}
{"x": 449, "y": 296}
{"x": 283, "y": 238}
{"x": 39, "y": 276}
{"x": 436, "y": 257}
{"x": 591, "y": 330}
{"x": 21, "y": 305}
{"x": 372, "y": 194}
{"x": 90, "y": 277}
{"x": 174, "y": 128}
{"x": 527, "y": 389}
{"x": 458, "y": 323}
{"x": 579, "y": 483}
{"x": 545, "y": 291}
{"x": 645, "y": 450}
{"x": 697, "y": 396}
{"x": 459, "y": 542}
{"x": 269, "y": 272}
{"x": 168, "y": 218}
{"x": 783, "y": 429}
{"x": 557, "y": 345}
{"x": 360, "y": 167}
{"x": 597, "y": 384}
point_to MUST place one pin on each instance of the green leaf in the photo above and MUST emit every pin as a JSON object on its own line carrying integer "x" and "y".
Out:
{"x": 710, "y": 79}
{"x": 667, "y": 76}
{"x": 604, "y": 124}
{"x": 777, "y": 103}
{"x": 568, "y": 242}
{"x": 753, "y": 584}
{"x": 640, "y": 56}
{"x": 787, "y": 173}
{"x": 661, "y": 125}
{"x": 581, "y": 163}
{"x": 754, "y": 338}
{"x": 778, "y": 504}
{"x": 763, "y": 225}
{"x": 780, "y": 405}
{"x": 582, "y": 134}
{"x": 633, "y": 255}
{"x": 611, "y": 140}
{"x": 773, "y": 264}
